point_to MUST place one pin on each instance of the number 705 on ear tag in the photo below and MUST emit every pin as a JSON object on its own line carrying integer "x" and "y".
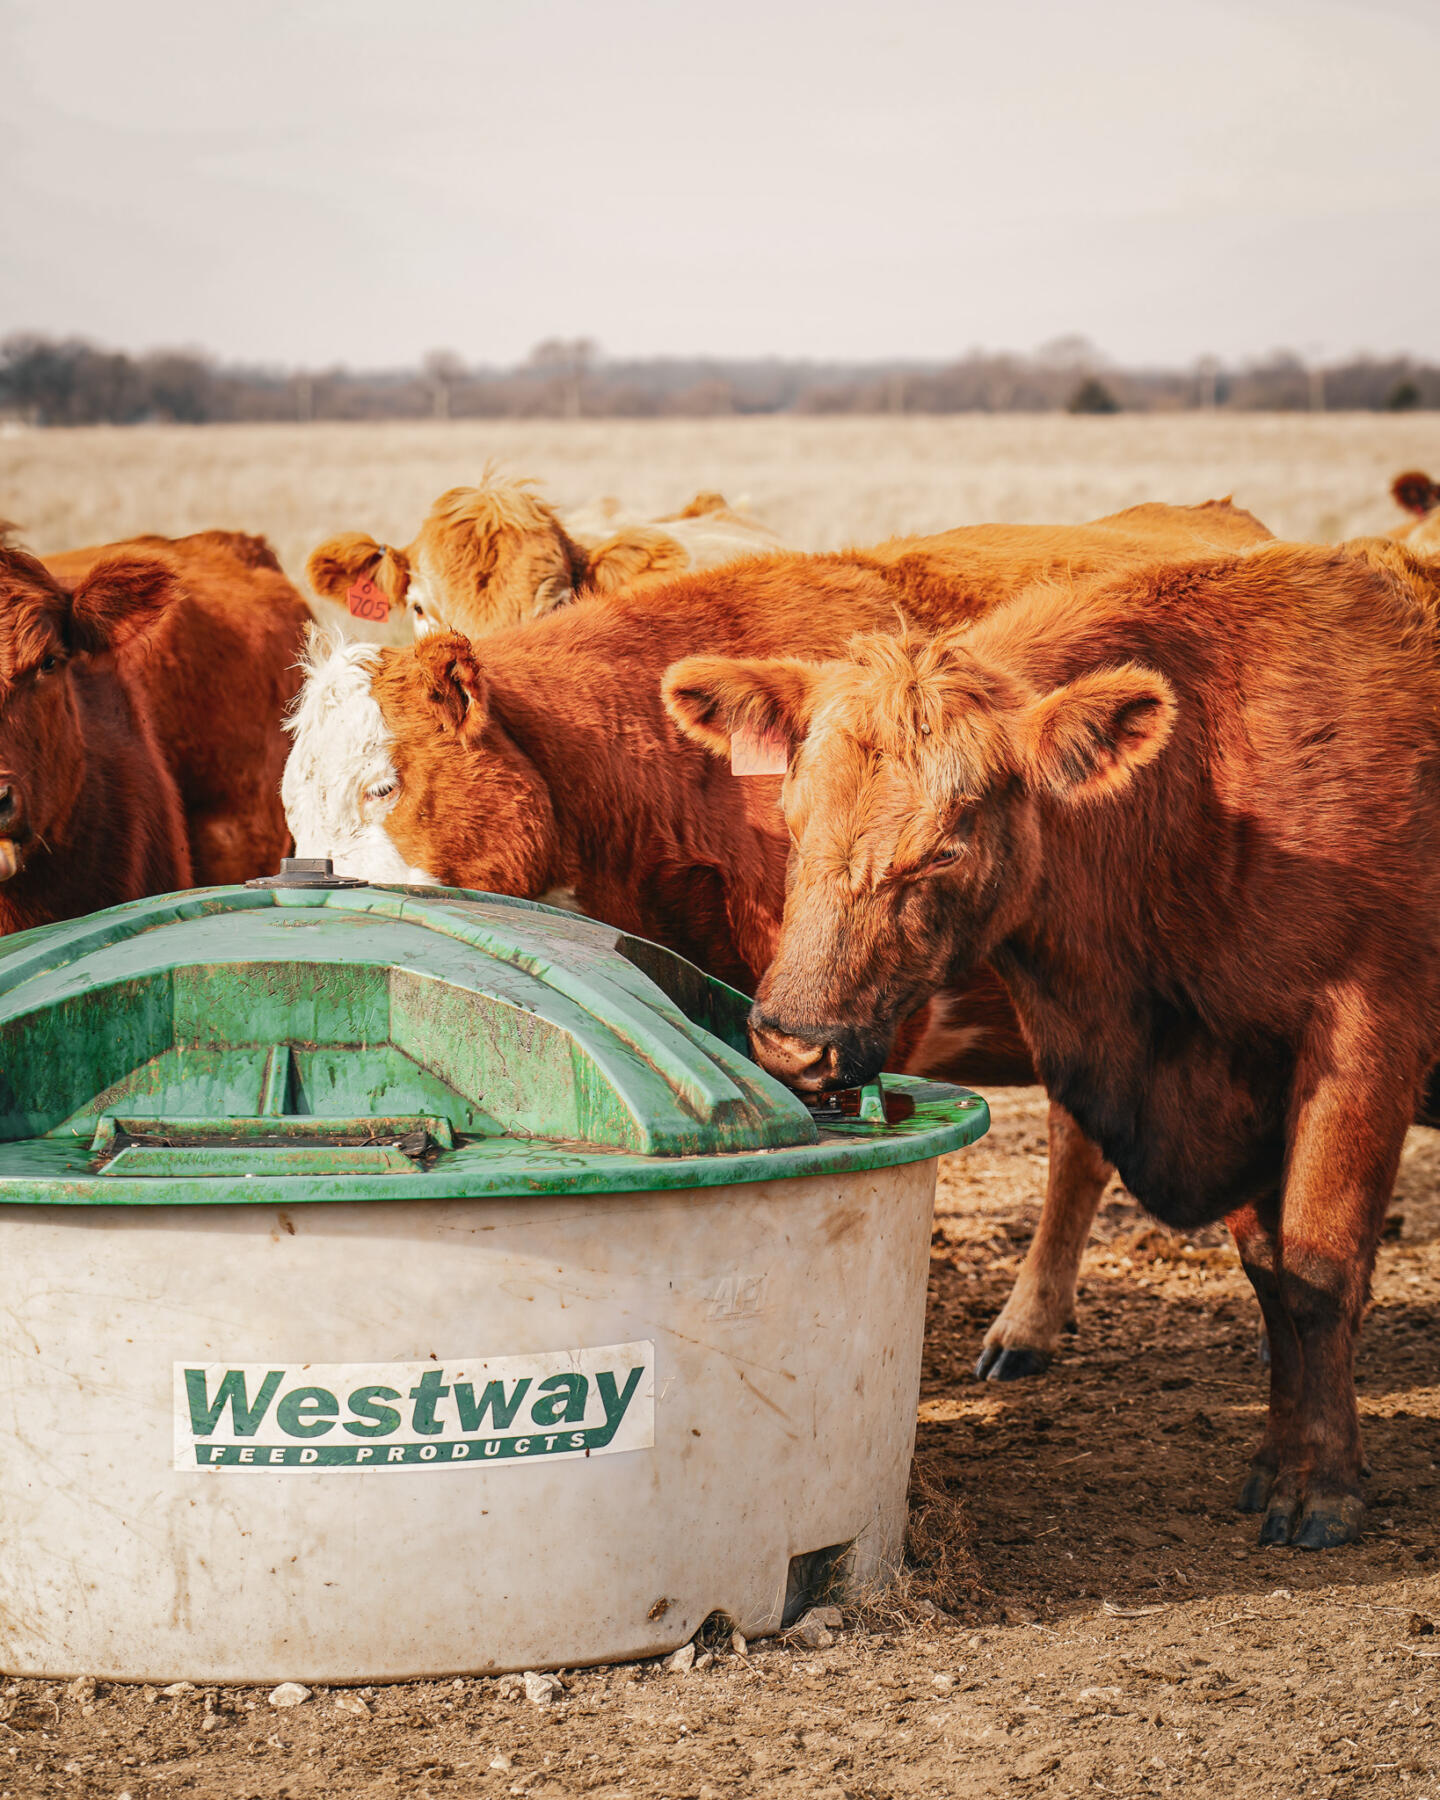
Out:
{"x": 759, "y": 752}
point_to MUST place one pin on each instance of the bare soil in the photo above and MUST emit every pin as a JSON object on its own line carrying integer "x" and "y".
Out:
{"x": 1114, "y": 1628}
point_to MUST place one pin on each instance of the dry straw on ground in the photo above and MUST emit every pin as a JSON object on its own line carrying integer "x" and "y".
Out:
{"x": 822, "y": 483}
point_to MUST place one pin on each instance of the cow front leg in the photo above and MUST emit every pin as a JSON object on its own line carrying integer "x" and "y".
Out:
{"x": 1354, "y": 1100}
{"x": 1024, "y": 1337}
{"x": 1255, "y": 1231}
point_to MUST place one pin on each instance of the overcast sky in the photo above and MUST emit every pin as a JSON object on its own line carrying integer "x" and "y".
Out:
{"x": 360, "y": 181}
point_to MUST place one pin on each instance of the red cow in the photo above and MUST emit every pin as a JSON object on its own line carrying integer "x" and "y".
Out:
{"x": 89, "y": 815}
{"x": 1194, "y": 822}
{"x": 542, "y": 758}
{"x": 216, "y": 675}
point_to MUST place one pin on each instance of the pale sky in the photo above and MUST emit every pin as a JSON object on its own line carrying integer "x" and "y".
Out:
{"x": 360, "y": 181}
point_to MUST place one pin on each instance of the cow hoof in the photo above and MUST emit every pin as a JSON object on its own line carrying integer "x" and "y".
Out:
{"x": 998, "y": 1362}
{"x": 1278, "y": 1523}
{"x": 1255, "y": 1495}
{"x": 1328, "y": 1520}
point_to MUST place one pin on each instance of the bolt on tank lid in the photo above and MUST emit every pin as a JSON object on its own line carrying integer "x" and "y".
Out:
{"x": 306, "y": 872}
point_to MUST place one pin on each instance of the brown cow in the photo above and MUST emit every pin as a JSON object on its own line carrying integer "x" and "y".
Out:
{"x": 1194, "y": 822}
{"x": 543, "y": 759}
{"x": 89, "y": 816}
{"x": 216, "y": 675}
{"x": 496, "y": 555}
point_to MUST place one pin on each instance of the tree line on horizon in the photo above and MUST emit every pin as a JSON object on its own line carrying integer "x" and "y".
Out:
{"x": 69, "y": 381}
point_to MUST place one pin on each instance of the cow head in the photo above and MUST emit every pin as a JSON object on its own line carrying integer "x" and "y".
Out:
{"x": 920, "y": 779}
{"x": 47, "y": 638}
{"x": 400, "y": 772}
{"x": 486, "y": 557}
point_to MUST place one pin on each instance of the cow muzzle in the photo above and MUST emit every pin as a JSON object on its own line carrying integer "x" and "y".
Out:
{"x": 811, "y": 1062}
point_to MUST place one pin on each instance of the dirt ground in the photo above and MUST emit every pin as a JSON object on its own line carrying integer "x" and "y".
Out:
{"x": 1115, "y": 1628}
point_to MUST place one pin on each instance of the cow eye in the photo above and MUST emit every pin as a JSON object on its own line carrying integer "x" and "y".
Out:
{"x": 382, "y": 790}
{"x": 942, "y": 859}
{"x": 48, "y": 665}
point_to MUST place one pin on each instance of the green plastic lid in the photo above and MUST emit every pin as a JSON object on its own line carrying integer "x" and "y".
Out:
{"x": 357, "y": 1043}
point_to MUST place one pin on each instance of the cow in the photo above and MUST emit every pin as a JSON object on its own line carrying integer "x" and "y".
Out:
{"x": 216, "y": 675}
{"x": 1420, "y": 497}
{"x": 542, "y": 760}
{"x": 89, "y": 813}
{"x": 496, "y": 555}
{"x": 1194, "y": 823}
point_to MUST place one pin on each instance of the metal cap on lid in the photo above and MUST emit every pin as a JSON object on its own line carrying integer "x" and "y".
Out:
{"x": 306, "y": 872}
{"x": 295, "y": 1041}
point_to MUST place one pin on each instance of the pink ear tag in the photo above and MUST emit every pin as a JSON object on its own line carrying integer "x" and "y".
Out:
{"x": 366, "y": 601}
{"x": 759, "y": 752}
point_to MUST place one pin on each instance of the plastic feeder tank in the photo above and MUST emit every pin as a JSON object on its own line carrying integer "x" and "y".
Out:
{"x": 410, "y": 1282}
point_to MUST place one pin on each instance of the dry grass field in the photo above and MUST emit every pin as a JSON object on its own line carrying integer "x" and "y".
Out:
{"x": 822, "y": 483}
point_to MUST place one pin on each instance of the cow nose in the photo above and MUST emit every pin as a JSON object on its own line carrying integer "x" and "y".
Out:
{"x": 799, "y": 1062}
{"x": 9, "y": 803}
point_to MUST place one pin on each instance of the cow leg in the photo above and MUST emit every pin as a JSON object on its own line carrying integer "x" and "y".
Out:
{"x": 1042, "y": 1303}
{"x": 1355, "y": 1101}
{"x": 1254, "y": 1229}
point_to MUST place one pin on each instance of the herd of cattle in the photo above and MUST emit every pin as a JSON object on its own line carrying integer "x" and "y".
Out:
{"x": 1147, "y": 809}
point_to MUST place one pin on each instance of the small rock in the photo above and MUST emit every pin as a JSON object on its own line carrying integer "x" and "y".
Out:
{"x": 1282, "y": 1594}
{"x": 82, "y": 1688}
{"x": 738, "y": 1644}
{"x": 811, "y": 1631}
{"x": 682, "y": 1661}
{"x": 211, "y": 1722}
{"x": 349, "y": 1702}
{"x": 501, "y": 1762}
{"x": 150, "y": 1696}
{"x": 542, "y": 1690}
{"x": 289, "y": 1693}
{"x": 250, "y": 1705}
{"x": 458, "y": 1682}
{"x": 510, "y": 1687}
{"x": 126, "y": 1795}
{"x": 177, "y": 1690}
{"x": 704, "y": 1660}
{"x": 830, "y": 1616}
{"x": 942, "y": 1684}
{"x": 1417, "y": 1625}
{"x": 74, "y": 1768}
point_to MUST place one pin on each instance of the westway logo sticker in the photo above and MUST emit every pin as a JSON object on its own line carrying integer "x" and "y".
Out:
{"x": 333, "y": 1418}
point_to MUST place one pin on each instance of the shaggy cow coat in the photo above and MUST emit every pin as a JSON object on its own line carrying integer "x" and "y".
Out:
{"x": 1194, "y": 822}
{"x": 89, "y": 815}
{"x": 215, "y": 677}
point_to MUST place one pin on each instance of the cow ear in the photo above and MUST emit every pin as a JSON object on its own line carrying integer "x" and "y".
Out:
{"x": 120, "y": 599}
{"x": 741, "y": 709}
{"x": 337, "y": 564}
{"x": 459, "y": 691}
{"x": 1086, "y": 740}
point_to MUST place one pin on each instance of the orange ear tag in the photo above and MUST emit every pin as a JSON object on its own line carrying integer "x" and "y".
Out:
{"x": 366, "y": 601}
{"x": 759, "y": 752}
